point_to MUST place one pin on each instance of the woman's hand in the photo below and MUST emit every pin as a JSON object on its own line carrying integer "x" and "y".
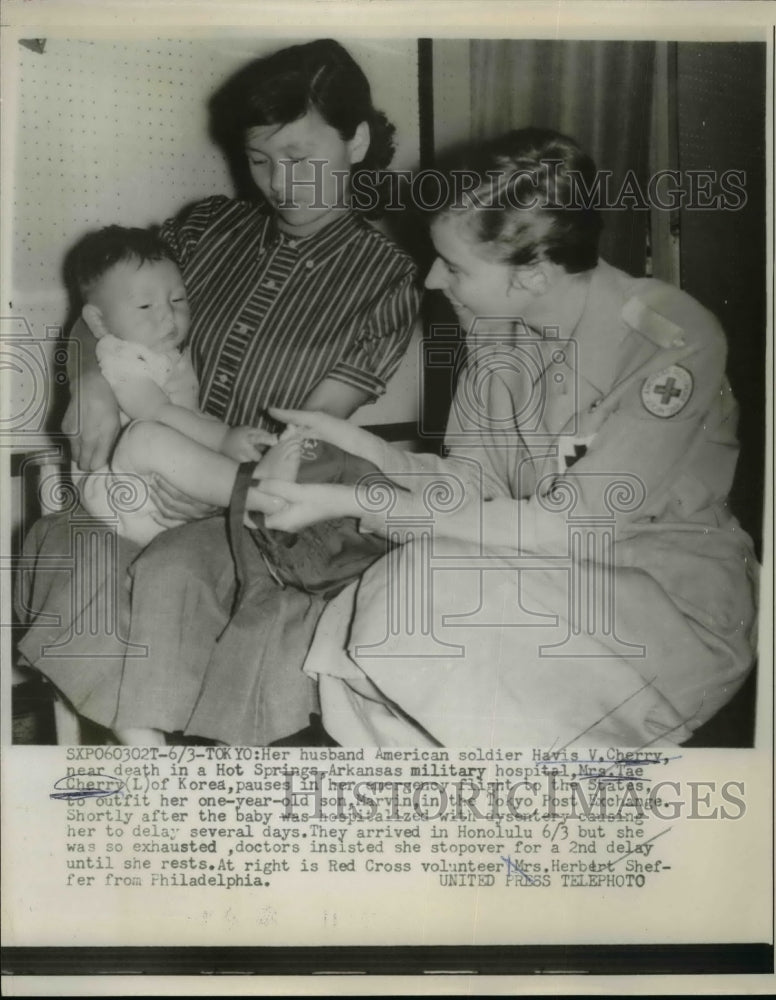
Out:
{"x": 372, "y": 500}
{"x": 91, "y": 421}
{"x": 173, "y": 507}
{"x": 341, "y": 433}
{"x": 309, "y": 503}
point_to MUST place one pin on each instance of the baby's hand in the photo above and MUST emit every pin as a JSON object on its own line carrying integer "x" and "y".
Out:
{"x": 341, "y": 433}
{"x": 246, "y": 444}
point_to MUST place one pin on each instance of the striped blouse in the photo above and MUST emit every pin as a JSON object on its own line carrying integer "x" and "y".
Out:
{"x": 273, "y": 315}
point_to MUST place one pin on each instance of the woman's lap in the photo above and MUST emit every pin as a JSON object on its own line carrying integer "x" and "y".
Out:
{"x": 208, "y": 672}
{"x": 72, "y": 593}
{"x": 181, "y": 587}
{"x": 178, "y": 663}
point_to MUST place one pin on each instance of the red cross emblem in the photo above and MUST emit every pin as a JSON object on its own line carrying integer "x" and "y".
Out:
{"x": 666, "y": 392}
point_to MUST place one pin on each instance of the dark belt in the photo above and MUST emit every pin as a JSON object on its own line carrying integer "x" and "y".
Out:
{"x": 242, "y": 484}
{"x": 237, "y": 535}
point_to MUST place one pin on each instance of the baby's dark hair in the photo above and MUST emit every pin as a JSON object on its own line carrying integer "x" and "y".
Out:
{"x": 531, "y": 200}
{"x": 96, "y": 253}
{"x": 284, "y": 86}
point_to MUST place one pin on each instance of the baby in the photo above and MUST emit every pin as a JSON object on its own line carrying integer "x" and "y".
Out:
{"x": 135, "y": 304}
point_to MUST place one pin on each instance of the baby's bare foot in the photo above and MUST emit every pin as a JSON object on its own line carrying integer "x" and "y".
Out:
{"x": 282, "y": 461}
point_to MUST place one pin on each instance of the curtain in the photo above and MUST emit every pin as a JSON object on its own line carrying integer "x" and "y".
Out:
{"x": 598, "y": 92}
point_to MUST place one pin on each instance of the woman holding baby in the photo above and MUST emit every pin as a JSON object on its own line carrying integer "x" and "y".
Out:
{"x": 295, "y": 300}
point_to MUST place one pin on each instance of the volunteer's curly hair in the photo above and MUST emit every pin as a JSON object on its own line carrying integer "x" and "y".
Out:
{"x": 531, "y": 199}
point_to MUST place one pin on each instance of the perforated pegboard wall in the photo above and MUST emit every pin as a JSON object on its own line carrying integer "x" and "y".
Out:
{"x": 106, "y": 132}
{"x": 116, "y": 131}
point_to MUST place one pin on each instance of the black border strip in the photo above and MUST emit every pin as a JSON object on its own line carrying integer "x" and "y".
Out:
{"x": 426, "y": 102}
{"x": 498, "y": 960}
{"x": 768, "y": 704}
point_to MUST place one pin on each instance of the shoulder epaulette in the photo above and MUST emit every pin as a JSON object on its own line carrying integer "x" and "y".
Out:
{"x": 668, "y": 316}
{"x": 643, "y": 314}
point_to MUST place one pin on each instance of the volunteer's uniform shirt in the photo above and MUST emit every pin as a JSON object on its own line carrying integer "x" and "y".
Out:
{"x": 609, "y": 445}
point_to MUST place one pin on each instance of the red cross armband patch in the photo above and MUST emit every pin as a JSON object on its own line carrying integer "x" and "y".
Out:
{"x": 667, "y": 392}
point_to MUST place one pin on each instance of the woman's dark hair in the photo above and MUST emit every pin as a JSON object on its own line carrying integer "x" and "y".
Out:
{"x": 96, "y": 253}
{"x": 284, "y": 86}
{"x": 529, "y": 197}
